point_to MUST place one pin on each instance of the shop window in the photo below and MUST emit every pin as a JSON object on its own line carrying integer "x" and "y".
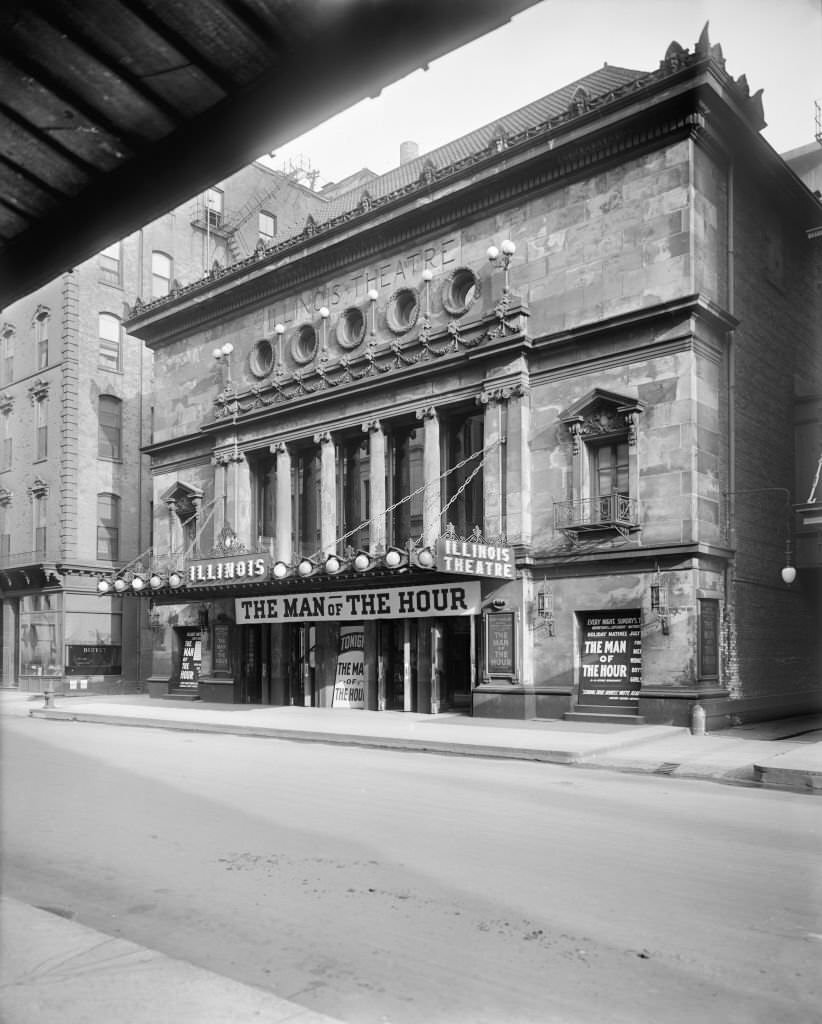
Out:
{"x": 604, "y": 479}
{"x": 305, "y": 490}
{"x": 109, "y": 331}
{"x": 463, "y": 495}
{"x": 404, "y": 454}
{"x": 353, "y": 468}
{"x": 266, "y": 226}
{"x": 161, "y": 267}
{"x": 214, "y": 202}
{"x": 40, "y": 635}
{"x": 110, "y": 263}
{"x": 109, "y": 427}
{"x": 108, "y": 527}
{"x": 41, "y": 339}
{"x": 7, "y": 355}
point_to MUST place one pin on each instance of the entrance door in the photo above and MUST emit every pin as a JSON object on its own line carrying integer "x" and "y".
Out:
{"x": 301, "y": 665}
{"x": 398, "y": 640}
{"x": 455, "y": 659}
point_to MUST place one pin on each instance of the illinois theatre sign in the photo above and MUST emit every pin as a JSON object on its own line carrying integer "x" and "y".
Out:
{"x": 360, "y": 605}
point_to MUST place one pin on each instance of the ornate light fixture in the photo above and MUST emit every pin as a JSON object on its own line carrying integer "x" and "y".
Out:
{"x": 659, "y": 600}
{"x": 506, "y": 250}
{"x": 788, "y": 571}
{"x": 223, "y": 355}
{"x": 544, "y": 618}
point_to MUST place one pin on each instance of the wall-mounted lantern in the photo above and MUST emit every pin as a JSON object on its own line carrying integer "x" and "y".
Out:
{"x": 659, "y": 600}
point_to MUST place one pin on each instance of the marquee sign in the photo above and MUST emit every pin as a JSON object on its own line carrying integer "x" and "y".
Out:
{"x": 472, "y": 559}
{"x": 228, "y": 569}
{"x": 441, "y": 599}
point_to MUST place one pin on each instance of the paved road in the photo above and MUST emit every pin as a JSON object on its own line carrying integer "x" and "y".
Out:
{"x": 398, "y": 887}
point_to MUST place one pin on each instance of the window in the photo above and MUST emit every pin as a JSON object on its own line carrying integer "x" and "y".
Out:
{"x": 160, "y": 275}
{"x": 305, "y": 489}
{"x": 264, "y": 489}
{"x": 214, "y": 207}
{"x": 405, "y": 476}
{"x": 41, "y": 414}
{"x": 7, "y": 365}
{"x": 609, "y": 476}
{"x": 108, "y": 527}
{"x": 464, "y": 485}
{"x": 109, "y": 331}
{"x": 266, "y": 225}
{"x": 110, "y": 263}
{"x": 8, "y": 442}
{"x": 40, "y": 500}
{"x": 41, "y": 340}
{"x": 353, "y": 490}
{"x": 602, "y": 427}
{"x": 110, "y": 427}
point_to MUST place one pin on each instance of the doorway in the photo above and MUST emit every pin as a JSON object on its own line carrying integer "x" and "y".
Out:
{"x": 398, "y": 645}
{"x": 301, "y": 664}
{"x": 456, "y": 662}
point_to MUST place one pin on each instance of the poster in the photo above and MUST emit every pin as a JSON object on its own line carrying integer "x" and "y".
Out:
{"x": 611, "y": 659}
{"x": 349, "y": 680}
{"x": 500, "y": 635}
{"x": 191, "y": 659}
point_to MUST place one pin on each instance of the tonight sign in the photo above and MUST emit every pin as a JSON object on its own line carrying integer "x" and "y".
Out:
{"x": 392, "y": 603}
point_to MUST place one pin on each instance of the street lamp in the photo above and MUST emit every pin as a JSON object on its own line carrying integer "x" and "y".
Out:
{"x": 788, "y": 571}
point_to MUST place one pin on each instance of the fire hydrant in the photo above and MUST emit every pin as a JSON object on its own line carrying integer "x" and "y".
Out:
{"x": 697, "y": 720}
{"x": 48, "y": 697}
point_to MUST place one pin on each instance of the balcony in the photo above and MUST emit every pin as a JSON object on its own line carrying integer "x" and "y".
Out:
{"x": 588, "y": 515}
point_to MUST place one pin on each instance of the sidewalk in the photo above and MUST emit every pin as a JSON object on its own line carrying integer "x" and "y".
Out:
{"x": 785, "y": 754}
{"x": 55, "y": 971}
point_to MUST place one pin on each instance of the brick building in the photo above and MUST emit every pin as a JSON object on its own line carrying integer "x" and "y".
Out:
{"x": 75, "y": 414}
{"x": 508, "y": 428}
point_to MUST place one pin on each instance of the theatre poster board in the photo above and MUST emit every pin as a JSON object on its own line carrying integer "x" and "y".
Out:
{"x": 500, "y": 645}
{"x": 611, "y": 659}
{"x": 349, "y": 680}
{"x": 191, "y": 660}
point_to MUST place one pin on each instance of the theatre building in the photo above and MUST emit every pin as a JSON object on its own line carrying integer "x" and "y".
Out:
{"x": 507, "y": 429}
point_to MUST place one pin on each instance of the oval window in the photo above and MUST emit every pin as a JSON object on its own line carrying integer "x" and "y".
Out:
{"x": 304, "y": 343}
{"x": 403, "y": 310}
{"x": 351, "y": 327}
{"x": 460, "y": 290}
{"x": 262, "y": 358}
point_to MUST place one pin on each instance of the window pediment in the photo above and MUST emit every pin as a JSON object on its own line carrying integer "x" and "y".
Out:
{"x": 602, "y": 414}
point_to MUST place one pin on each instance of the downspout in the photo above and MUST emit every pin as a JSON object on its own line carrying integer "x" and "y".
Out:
{"x": 731, "y": 363}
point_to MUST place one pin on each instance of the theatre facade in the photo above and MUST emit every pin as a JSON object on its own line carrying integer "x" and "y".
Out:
{"x": 471, "y": 441}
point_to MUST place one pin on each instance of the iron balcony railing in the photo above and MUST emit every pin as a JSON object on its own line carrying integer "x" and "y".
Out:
{"x": 611, "y": 511}
{"x": 22, "y": 558}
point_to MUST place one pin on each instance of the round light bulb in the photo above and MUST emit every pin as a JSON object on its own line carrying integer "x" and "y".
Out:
{"x": 324, "y": 313}
{"x": 305, "y": 567}
{"x": 492, "y": 252}
{"x": 175, "y": 579}
{"x": 155, "y": 582}
{"x": 103, "y": 587}
{"x": 119, "y": 584}
{"x": 788, "y": 574}
{"x": 361, "y": 562}
{"x": 427, "y": 275}
{"x": 138, "y": 583}
{"x": 217, "y": 353}
{"x": 508, "y": 247}
{"x": 227, "y": 349}
{"x": 279, "y": 329}
{"x": 392, "y": 559}
{"x": 332, "y": 564}
{"x": 280, "y": 570}
{"x": 373, "y": 295}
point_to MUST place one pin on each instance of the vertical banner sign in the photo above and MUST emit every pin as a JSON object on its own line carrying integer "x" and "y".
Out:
{"x": 611, "y": 659}
{"x": 192, "y": 658}
{"x": 349, "y": 681}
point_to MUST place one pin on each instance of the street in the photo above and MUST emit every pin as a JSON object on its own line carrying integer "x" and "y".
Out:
{"x": 380, "y": 886}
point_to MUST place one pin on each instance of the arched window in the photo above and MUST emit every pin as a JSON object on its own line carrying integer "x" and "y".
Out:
{"x": 111, "y": 346}
{"x": 7, "y": 354}
{"x": 160, "y": 274}
{"x": 109, "y": 427}
{"x": 108, "y": 527}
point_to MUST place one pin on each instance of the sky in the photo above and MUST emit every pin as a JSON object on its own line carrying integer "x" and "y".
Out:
{"x": 777, "y": 44}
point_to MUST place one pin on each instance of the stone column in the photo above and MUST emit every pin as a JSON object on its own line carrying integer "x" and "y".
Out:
{"x": 516, "y": 482}
{"x": 328, "y": 492}
{"x": 376, "y": 456}
{"x": 432, "y": 495}
{"x": 282, "y": 512}
{"x": 240, "y": 498}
